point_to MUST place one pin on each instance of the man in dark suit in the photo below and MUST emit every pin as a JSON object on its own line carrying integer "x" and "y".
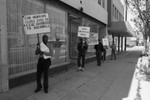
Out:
{"x": 99, "y": 49}
{"x": 82, "y": 48}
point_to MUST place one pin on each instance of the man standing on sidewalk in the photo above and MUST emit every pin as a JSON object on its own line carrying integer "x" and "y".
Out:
{"x": 45, "y": 52}
{"x": 99, "y": 49}
{"x": 82, "y": 48}
{"x": 113, "y": 51}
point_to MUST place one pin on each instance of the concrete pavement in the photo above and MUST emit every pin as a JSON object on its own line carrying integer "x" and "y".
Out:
{"x": 110, "y": 82}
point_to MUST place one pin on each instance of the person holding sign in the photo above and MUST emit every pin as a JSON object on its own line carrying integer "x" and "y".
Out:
{"x": 45, "y": 52}
{"x": 99, "y": 49}
{"x": 82, "y": 48}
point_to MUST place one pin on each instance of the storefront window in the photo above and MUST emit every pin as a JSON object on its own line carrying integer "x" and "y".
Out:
{"x": 58, "y": 35}
{"x": 21, "y": 47}
{"x": 93, "y": 39}
{"x": 74, "y": 39}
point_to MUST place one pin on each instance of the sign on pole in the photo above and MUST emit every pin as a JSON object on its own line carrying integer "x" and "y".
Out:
{"x": 83, "y": 31}
{"x": 105, "y": 41}
{"x": 34, "y": 24}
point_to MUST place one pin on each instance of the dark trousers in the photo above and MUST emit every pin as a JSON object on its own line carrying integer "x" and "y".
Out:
{"x": 113, "y": 54}
{"x": 98, "y": 57}
{"x": 42, "y": 67}
{"x": 81, "y": 56}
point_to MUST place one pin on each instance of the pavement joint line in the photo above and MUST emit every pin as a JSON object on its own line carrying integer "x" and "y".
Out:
{"x": 107, "y": 88}
{"x": 89, "y": 81}
{"x": 81, "y": 85}
{"x": 73, "y": 90}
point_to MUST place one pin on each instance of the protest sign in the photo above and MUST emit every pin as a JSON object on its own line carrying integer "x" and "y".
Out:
{"x": 105, "y": 41}
{"x": 83, "y": 31}
{"x": 34, "y": 24}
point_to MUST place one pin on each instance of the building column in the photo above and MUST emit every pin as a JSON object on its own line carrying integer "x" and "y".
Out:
{"x": 121, "y": 43}
{"x": 118, "y": 43}
{"x": 125, "y": 43}
{"x": 113, "y": 36}
{"x": 3, "y": 48}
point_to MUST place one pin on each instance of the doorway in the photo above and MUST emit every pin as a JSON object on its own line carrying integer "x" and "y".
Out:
{"x": 73, "y": 23}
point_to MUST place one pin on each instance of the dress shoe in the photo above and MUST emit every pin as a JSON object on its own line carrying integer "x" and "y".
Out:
{"x": 79, "y": 69}
{"x": 46, "y": 90}
{"x": 98, "y": 64}
{"x": 82, "y": 69}
{"x": 37, "y": 90}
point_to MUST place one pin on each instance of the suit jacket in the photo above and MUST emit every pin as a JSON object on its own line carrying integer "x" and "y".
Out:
{"x": 82, "y": 48}
{"x": 99, "y": 47}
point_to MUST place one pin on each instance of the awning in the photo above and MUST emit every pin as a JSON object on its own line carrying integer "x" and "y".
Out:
{"x": 122, "y": 28}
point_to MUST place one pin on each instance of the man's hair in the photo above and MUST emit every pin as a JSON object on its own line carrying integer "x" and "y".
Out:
{"x": 45, "y": 36}
{"x": 81, "y": 39}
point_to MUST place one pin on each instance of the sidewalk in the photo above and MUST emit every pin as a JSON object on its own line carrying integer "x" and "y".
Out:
{"x": 110, "y": 82}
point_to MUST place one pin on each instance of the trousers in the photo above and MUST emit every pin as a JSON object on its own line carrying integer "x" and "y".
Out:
{"x": 42, "y": 67}
{"x": 113, "y": 54}
{"x": 98, "y": 57}
{"x": 81, "y": 56}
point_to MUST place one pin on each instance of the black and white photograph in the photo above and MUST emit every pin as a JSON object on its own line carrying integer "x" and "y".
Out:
{"x": 74, "y": 49}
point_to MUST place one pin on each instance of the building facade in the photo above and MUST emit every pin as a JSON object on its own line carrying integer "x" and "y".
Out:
{"x": 17, "y": 49}
{"x": 118, "y": 27}
{"x": 86, "y": 16}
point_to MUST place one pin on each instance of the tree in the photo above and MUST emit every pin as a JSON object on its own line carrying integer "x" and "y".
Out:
{"x": 141, "y": 10}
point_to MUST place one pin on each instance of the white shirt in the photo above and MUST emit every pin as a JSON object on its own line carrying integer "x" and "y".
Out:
{"x": 44, "y": 48}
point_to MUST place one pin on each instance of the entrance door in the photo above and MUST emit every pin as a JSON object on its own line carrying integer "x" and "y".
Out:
{"x": 73, "y": 39}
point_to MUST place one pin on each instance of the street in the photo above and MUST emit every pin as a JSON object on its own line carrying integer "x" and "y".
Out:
{"x": 111, "y": 81}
